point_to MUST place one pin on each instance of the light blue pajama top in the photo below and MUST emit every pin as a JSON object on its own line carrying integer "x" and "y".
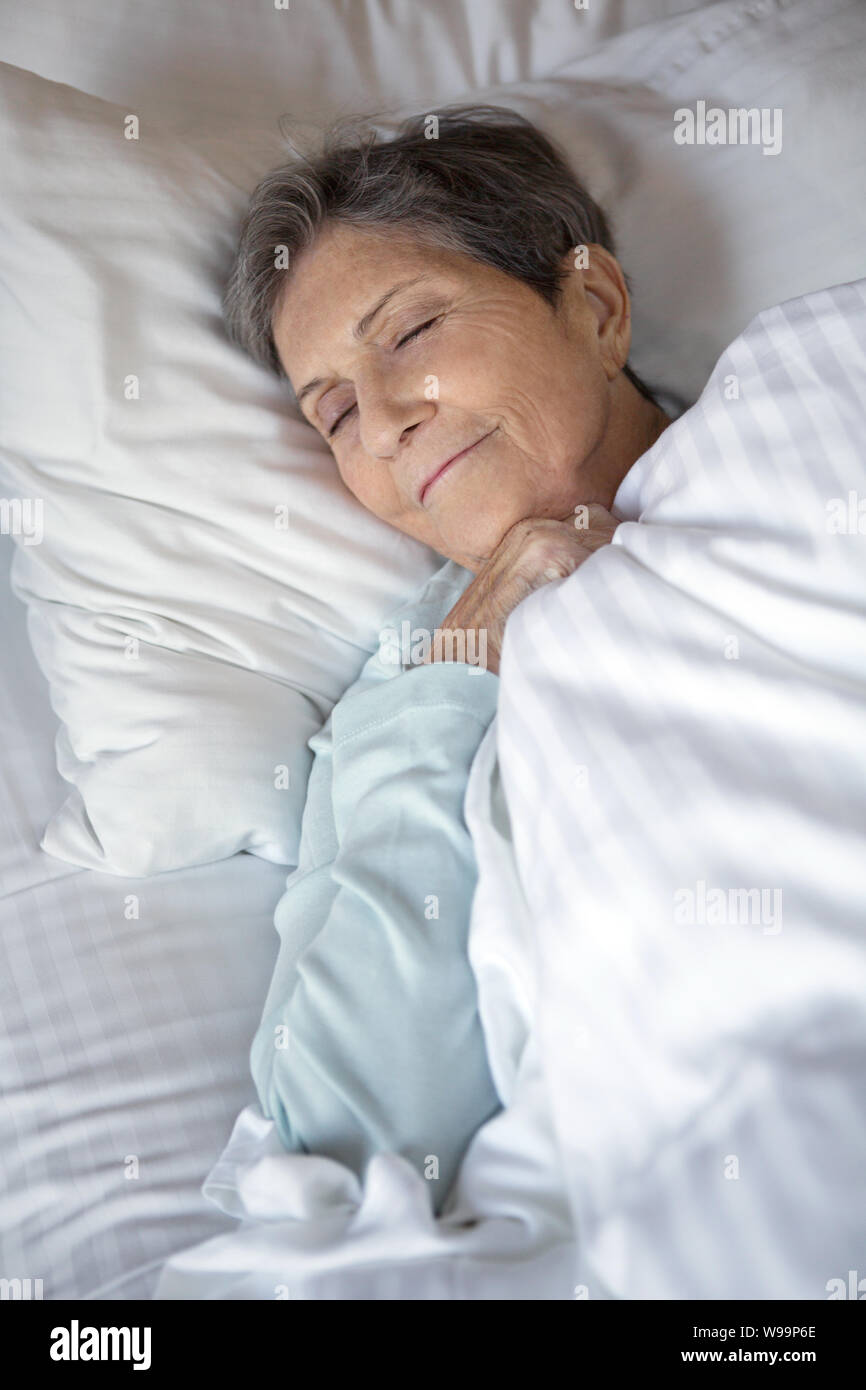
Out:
{"x": 370, "y": 1038}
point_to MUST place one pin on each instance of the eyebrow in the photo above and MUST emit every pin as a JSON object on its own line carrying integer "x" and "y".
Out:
{"x": 363, "y": 325}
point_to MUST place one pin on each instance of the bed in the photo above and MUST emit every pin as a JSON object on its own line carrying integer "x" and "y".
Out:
{"x": 124, "y": 1039}
{"x": 130, "y": 999}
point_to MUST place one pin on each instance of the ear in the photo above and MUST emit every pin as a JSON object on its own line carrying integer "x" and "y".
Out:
{"x": 599, "y": 286}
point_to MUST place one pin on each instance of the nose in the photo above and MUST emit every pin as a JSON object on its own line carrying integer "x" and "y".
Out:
{"x": 390, "y": 406}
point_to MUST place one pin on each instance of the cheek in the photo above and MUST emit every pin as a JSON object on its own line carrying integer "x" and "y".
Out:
{"x": 357, "y": 478}
{"x": 478, "y": 353}
{"x": 369, "y": 483}
{"x": 537, "y": 421}
{"x": 549, "y": 396}
{"x": 575, "y": 405}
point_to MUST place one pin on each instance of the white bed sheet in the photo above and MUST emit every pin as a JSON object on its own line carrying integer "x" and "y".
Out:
{"x": 120, "y": 1036}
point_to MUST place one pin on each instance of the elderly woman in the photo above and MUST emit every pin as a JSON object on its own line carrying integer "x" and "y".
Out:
{"x": 451, "y": 318}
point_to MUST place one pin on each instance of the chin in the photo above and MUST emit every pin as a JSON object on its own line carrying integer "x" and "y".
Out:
{"x": 471, "y": 548}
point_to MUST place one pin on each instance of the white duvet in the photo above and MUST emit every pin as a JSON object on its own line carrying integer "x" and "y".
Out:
{"x": 668, "y": 932}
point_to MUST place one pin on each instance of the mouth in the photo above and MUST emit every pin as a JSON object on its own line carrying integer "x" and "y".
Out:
{"x": 446, "y": 467}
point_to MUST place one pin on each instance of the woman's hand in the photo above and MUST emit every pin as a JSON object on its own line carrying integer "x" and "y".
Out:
{"x": 532, "y": 553}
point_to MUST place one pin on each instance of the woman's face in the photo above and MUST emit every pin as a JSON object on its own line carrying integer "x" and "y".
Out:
{"x": 459, "y": 357}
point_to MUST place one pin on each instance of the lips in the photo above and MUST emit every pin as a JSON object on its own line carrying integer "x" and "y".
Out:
{"x": 442, "y": 467}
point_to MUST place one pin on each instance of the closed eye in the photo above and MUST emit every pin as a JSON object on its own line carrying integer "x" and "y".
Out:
{"x": 338, "y": 422}
{"x": 408, "y": 339}
{"x": 415, "y": 331}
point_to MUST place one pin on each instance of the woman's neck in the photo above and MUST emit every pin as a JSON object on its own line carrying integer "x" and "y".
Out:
{"x": 634, "y": 426}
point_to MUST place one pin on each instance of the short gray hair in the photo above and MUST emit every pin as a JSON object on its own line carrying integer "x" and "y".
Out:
{"x": 489, "y": 185}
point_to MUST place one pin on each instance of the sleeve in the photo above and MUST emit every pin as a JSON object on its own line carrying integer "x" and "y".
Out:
{"x": 385, "y": 1049}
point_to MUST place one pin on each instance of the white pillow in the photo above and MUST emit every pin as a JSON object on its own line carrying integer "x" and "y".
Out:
{"x": 191, "y": 645}
{"x": 159, "y": 511}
